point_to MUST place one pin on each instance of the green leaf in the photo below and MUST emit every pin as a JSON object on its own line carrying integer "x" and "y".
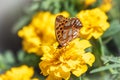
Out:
{"x": 8, "y": 57}
{"x": 2, "y": 62}
{"x": 31, "y": 9}
{"x": 114, "y": 28}
{"x": 29, "y": 59}
{"x": 116, "y": 38}
{"x": 7, "y": 60}
{"x": 21, "y": 55}
{"x": 21, "y": 22}
{"x": 103, "y": 68}
{"x": 113, "y": 59}
{"x": 1, "y": 58}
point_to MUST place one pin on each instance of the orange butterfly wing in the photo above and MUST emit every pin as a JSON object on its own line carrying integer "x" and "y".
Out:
{"x": 66, "y": 29}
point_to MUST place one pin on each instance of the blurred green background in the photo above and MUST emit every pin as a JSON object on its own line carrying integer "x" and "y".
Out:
{"x": 14, "y": 14}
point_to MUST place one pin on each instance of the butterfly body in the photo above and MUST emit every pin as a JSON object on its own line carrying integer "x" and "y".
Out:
{"x": 66, "y": 29}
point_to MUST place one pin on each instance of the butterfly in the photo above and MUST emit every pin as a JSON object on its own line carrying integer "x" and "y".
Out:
{"x": 66, "y": 29}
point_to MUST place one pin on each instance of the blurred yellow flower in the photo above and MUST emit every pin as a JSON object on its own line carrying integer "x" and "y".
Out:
{"x": 89, "y": 2}
{"x": 40, "y": 32}
{"x": 94, "y": 23}
{"x": 106, "y": 5}
{"x": 18, "y": 73}
{"x": 58, "y": 64}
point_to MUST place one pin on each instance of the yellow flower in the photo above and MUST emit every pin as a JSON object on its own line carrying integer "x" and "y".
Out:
{"x": 40, "y": 32}
{"x": 89, "y": 2}
{"x": 94, "y": 23}
{"x": 18, "y": 73}
{"x": 106, "y": 5}
{"x": 58, "y": 64}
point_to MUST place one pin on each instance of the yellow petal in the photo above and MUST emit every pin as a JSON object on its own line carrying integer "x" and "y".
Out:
{"x": 88, "y": 58}
{"x": 79, "y": 70}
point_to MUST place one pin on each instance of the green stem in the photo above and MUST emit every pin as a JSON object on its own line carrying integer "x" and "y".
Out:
{"x": 80, "y": 78}
{"x": 97, "y": 52}
{"x": 103, "y": 54}
{"x": 101, "y": 47}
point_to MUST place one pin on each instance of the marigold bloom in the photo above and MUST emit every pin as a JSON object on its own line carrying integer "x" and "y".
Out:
{"x": 89, "y": 2}
{"x": 39, "y": 33}
{"x": 18, "y": 73}
{"x": 94, "y": 23}
{"x": 58, "y": 64}
{"x": 106, "y": 5}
